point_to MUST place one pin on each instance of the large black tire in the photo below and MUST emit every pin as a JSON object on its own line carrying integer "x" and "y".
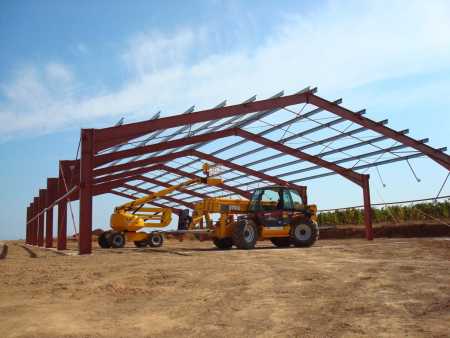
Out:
{"x": 155, "y": 240}
{"x": 104, "y": 240}
{"x": 305, "y": 234}
{"x": 117, "y": 240}
{"x": 141, "y": 244}
{"x": 281, "y": 242}
{"x": 223, "y": 243}
{"x": 245, "y": 234}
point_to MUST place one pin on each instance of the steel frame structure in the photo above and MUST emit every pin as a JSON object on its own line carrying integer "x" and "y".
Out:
{"x": 114, "y": 157}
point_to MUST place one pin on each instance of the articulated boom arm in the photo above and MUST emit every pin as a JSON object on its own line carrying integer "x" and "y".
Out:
{"x": 138, "y": 203}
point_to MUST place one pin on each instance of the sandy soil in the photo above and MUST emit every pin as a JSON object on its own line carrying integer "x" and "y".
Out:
{"x": 338, "y": 288}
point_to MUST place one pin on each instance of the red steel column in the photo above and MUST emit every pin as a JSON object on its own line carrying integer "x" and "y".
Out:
{"x": 86, "y": 166}
{"x": 28, "y": 226}
{"x": 51, "y": 196}
{"x": 62, "y": 215}
{"x": 42, "y": 200}
{"x": 34, "y": 235}
{"x": 367, "y": 208}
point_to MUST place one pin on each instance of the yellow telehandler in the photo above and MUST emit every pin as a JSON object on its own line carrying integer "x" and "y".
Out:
{"x": 275, "y": 213}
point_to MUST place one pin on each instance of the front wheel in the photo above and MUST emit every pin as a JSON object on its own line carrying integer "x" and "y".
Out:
{"x": 104, "y": 240}
{"x": 305, "y": 234}
{"x": 117, "y": 240}
{"x": 245, "y": 234}
{"x": 155, "y": 240}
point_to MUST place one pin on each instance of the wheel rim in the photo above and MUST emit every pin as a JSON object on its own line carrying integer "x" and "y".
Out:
{"x": 118, "y": 240}
{"x": 249, "y": 233}
{"x": 156, "y": 240}
{"x": 302, "y": 232}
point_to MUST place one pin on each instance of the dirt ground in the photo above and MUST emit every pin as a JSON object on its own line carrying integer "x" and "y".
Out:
{"x": 338, "y": 288}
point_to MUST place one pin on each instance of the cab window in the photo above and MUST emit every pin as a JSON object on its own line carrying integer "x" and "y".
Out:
{"x": 287, "y": 201}
{"x": 296, "y": 200}
{"x": 270, "y": 200}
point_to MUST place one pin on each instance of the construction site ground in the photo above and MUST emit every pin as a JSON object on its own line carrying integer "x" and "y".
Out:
{"x": 337, "y": 288}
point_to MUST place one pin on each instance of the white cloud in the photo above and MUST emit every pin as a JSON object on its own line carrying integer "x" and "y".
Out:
{"x": 341, "y": 46}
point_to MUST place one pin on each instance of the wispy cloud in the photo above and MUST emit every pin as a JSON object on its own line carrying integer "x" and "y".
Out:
{"x": 340, "y": 46}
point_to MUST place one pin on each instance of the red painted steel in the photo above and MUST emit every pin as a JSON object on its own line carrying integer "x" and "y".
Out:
{"x": 347, "y": 173}
{"x": 52, "y": 185}
{"x": 86, "y": 166}
{"x": 122, "y": 194}
{"x": 35, "y": 222}
{"x": 131, "y": 173}
{"x": 109, "y": 157}
{"x": 249, "y": 171}
{"x": 112, "y": 136}
{"x": 436, "y": 155}
{"x": 166, "y": 185}
{"x": 41, "y": 218}
{"x": 104, "y": 188}
{"x": 141, "y": 163}
{"x": 62, "y": 217}
{"x": 168, "y": 198}
{"x": 367, "y": 208}
{"x": 224, "y": 186}
{"x": 28, "y": 226}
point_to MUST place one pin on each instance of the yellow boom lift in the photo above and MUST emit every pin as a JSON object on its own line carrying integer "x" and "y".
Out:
{"x": 129, "y": 218}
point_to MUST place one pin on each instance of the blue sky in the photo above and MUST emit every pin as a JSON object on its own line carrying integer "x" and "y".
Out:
{"x": 66, "y": 65}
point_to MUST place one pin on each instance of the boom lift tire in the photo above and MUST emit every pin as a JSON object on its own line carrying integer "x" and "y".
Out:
{"x": 245, "y": 234}
{"x": 305, "y": 234}
{"x": 281, "y": 242}
{"x": 104, "y": 240}
{"x": 141, "y": 244}
{"x": 155, "y": 240}
{"x": 117, "y": 240}
{"x": 223, "y": 243}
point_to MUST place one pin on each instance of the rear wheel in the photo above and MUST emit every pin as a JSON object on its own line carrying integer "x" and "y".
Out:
{"x": 104, "y": 240}
{"x": 281, "y": 242}
{"x": 141, "y": 244}
{"x": 223, "y": 243}
{"x": 155, "y": 240}
{"x": 117, "y": 240}
{"x": 245, "y": 234}
{"x": 305, "y": 234}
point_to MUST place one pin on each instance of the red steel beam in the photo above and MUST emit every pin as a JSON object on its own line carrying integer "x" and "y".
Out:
{"x": 62, "y": 217}
{"x": 166, "y": 185}
{"x": 108, "y": 137}
{"x": 146, "y": 192}
{"x": 245, "y": 170}
{"x": 52, "y": 186}
{"x": 347, "y": 173}
{"x": 41, "y": 218}
{"x": 104, "y": 188}
{"x": 141, "y": 163}
{"x": 224, "y": 186}
{"x": 122, "y": 194}
{"x": 109, "y": 157}
{"x": 435, "y": 154}
{"x": 124, "y": 175}
{"x": 86, "y": 177}
{"x": 34, "y": 235}
{"x": 28, "y": 226}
